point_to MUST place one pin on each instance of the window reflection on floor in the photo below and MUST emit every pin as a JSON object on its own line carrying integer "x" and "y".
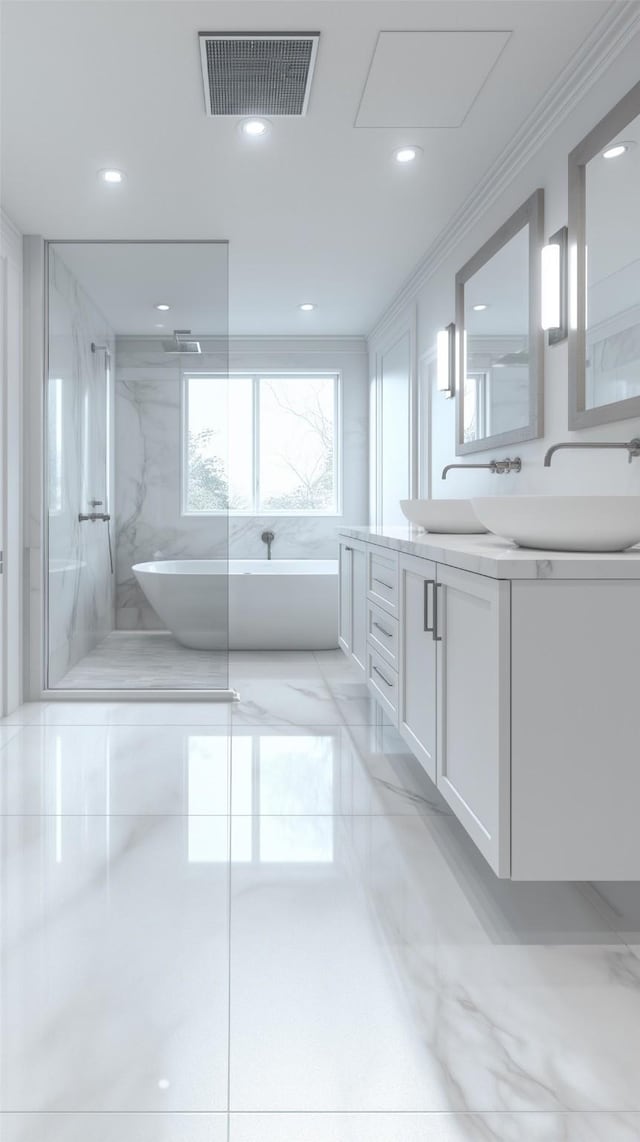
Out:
{"x": 207, "y": 801}
{"x": 282, "y": 799}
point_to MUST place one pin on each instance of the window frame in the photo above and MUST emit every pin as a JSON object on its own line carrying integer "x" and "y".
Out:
{"x": 256, "y": 509}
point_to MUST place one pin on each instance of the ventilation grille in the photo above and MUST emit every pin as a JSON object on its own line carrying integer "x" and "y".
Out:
{"x": 257, "y": 74}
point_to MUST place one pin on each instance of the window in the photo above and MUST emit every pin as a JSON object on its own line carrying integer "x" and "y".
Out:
{"x": 260, "y": 444}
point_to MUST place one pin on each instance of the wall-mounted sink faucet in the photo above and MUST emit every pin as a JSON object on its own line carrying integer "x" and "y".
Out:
{"x": 632, "y": 447}
{"x": 498, "y": 467}
{"x": 268, "y": 538}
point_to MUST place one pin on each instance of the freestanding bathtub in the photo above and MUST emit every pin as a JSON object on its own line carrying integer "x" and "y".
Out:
{"x": 276, "y": 604}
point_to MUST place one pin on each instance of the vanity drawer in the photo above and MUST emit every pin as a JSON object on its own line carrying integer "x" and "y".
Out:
{"x": 382, "y": 683}
{"x": 382, "y": 579}
{"x": 383, "y": 633}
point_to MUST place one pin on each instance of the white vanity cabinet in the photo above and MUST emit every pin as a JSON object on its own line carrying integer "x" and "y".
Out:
{"x": 453, "y": 693}
{"x": 514, "y": 681}
{"x": 418, "y": 659}
{"x": 352, "y": 620}
{"x": 473, "y": 695}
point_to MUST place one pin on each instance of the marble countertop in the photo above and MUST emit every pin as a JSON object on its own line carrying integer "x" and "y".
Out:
{"x": 499, "y": 558}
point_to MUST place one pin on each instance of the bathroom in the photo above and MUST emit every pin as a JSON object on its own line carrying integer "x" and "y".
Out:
{"x": 320, "y": 591}
{"x": 155, "y": 438}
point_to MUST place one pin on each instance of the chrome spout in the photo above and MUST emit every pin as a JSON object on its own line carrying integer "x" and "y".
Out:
{"x": 498, "y": 467}
{"x": 632, "y": 447}
{"x": 268, "y": 538}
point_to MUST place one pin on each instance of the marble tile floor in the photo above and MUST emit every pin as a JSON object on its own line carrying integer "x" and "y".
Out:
{"x": 145, "y": 660}
{"x": 271, "y": 929}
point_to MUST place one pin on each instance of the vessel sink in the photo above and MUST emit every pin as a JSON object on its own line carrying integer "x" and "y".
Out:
{"x": 563, "y": 523}
{"x": 451, "y": 517}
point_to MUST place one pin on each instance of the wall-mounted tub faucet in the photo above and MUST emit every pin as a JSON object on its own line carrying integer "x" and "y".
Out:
{"x": 268, "y": 538}
{"x": 498, "y": 467}
{"x": 632, "y": 447}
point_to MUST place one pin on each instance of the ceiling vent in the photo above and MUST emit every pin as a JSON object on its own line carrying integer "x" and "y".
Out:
{"x": 258, "y": 73}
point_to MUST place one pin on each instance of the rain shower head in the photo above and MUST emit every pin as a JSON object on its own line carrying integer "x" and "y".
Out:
{"x": 182, "y": 343}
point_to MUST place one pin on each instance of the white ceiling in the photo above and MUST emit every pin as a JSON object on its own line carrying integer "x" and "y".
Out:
{"x": 127, "y": 281}
{"x": 427, "y": 79}
{"x": 317, "y": 212}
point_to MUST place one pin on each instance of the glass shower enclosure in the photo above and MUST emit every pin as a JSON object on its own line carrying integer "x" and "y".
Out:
{"x": 136, "y": 476}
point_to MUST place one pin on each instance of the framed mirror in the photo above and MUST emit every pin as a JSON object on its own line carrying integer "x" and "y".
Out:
{"x": 604, "y": 269}
{"x": 499, "y": 339}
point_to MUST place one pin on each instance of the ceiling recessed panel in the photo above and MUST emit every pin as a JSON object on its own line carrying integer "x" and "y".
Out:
{"x": 427, "y": 79}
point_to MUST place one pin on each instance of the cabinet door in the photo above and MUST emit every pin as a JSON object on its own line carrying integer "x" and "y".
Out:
{"x": 473, "y": 770}
{"x": 345, "y": 622}
{"x": 417, "y": 688}
{"x": 359, "y": 605}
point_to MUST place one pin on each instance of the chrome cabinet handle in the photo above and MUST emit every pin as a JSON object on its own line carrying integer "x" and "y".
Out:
{"x": 382, "y": 583}
{"x": 385, "y": 680}
{"x": 386, "y": 633}
{"x": 428, "y": 583}
{"x": 436, "y": 637}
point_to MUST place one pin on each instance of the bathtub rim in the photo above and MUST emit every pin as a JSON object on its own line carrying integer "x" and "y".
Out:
{"x": 201, "y": 568}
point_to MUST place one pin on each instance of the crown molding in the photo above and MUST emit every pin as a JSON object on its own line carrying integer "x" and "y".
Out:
{"x": 605, "y": 41}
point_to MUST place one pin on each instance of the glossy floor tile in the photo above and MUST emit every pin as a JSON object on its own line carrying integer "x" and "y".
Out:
{"x": 262, "y": 922}
{"x": 434, "y": 1128}
{"x": 116, "y": 769}
{"x": 115, "y": 964}
{"x": 382, "y": 982}
{"x": 157, "y": 713}
{"x": 109, "y": 1127}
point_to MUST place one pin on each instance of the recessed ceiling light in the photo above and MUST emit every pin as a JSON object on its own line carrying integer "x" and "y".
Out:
{"x": 159, "y": 325}
{"x": 162, "y": 306}
{"x": 255, "y": 128}
{"x": 615, "y": 151}
{"x": 480, "y": 307}
{"x": 406, "y": 154}
{"x": 307, "y": 306}
{"x": 163, "y": 1084}
{"x": 112, "y": 176}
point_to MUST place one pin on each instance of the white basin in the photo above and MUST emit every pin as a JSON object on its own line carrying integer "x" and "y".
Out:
{"x": 563, "y": 523}
{"x": 450, "y": 517}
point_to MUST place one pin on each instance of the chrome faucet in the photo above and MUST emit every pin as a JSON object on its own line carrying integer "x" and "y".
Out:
{"x": 498, "y": 467}
{"x": 94, "y": 516}
{"x": 632, "y": 447}
{"x": 268, "y": 538}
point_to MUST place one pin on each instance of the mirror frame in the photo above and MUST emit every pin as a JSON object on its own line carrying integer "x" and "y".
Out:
{"x": 615, "y": 121}
{"x": 530, "y": 214}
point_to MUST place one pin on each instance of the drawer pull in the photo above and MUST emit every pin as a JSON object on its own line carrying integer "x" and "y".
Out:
{"x": 385, "y": 680}
{"x": 386, "y": 633}
{"x": 382, "y": 583}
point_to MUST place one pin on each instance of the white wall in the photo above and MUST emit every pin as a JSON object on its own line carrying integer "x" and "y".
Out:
{"x": 147, "y": 462}
{"x": 589, "y": 472}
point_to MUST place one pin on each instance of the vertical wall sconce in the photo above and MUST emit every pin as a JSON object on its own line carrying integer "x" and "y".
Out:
{"x": 553, "y": 281}
{"x": 446, "y": 360}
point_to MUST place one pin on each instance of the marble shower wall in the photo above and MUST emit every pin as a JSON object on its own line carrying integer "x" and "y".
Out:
{"x": 149, "y": 522}
{"x": 80, "y": 401}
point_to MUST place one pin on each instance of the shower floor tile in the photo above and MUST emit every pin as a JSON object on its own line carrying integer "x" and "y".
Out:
{"x": 146, "y": 660}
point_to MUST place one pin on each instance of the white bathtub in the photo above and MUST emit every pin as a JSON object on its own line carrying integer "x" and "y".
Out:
{"x": 277, "y": 604}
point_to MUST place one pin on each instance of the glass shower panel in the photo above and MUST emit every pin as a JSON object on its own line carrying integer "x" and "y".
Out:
{"x": 137, "y": 580}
